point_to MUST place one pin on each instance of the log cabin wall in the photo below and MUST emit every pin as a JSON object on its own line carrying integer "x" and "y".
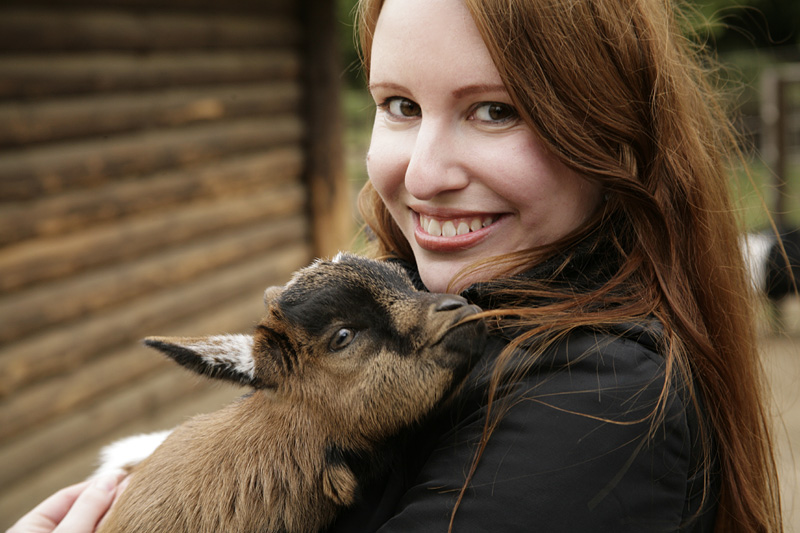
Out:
{"x": 161, "y": 163}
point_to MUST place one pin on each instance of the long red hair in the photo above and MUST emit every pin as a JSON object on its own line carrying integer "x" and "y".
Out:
{"x": 617, "y": 93}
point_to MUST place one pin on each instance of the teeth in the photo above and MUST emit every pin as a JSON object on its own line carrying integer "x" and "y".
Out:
{"x": 434, "y": 228}
{"x": 448, "y": 228}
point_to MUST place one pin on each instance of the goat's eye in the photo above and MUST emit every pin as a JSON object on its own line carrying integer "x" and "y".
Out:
{"x": 342, "y": 338}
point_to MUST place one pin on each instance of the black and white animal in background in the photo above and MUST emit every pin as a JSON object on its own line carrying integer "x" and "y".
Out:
{"x": 772, "y": 273}
{"x": 348, "y": 356}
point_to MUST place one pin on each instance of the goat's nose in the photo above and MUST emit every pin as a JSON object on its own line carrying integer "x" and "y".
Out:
{"x": 450, "y": 303}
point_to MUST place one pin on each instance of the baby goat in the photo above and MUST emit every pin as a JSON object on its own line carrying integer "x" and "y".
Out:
{"x": 348, "y": 356}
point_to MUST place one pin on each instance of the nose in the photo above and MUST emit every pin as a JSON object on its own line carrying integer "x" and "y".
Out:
{"x": 435, "y": 164}
{"x": 449, "y": 302}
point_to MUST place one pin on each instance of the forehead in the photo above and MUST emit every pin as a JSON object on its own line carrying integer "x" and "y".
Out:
{"x": 435, "y": 41}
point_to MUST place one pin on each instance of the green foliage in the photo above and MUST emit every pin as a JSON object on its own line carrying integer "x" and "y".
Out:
{"x": 731, "y": 25}
{"x": 352, "y": 68}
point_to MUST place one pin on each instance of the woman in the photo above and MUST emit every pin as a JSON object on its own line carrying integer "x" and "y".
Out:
{"x": 572, "y": 153}
{"x": 562, "y": 165}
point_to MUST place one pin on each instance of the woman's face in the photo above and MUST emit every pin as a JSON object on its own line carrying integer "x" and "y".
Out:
{"x": 463, "y": 177}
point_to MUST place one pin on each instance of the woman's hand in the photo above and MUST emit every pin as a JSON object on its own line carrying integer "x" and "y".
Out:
{"x": 75, "y": 509}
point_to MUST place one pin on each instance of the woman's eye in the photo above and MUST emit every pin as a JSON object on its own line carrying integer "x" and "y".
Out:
{"x": 341, "y": 339}
{"x": 401, "y": 107}
{"x": 495, "y": 112}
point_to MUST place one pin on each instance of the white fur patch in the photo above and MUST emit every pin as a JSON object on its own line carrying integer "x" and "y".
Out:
{"x": 235, "y": 351}
{"x": 128, "y": 452}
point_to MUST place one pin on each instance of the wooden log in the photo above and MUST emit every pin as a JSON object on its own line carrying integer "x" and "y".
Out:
{"x": 24, "y": 455}
{"x": 41, "y": 403}
{"x": 42, "y": 30}
{"x": 55, "y": 473}
{"x": 61, "y": 395}
{"x": 53, "y": 258}
{"x": 32, "y": 76}
{"x": 64, "y": 348}
{"x": 211, "y": 7}
{"x": 48, "y": 170}
{"x": 55, "y": 216}
{"x": 24, "y": 123}
{"x": 46, "y": 306}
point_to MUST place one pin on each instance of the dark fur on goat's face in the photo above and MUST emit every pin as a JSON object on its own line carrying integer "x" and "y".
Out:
{"x": 355, "y": 336}
{"x": 365, "y": 295}
{"x": 351, "y": 341}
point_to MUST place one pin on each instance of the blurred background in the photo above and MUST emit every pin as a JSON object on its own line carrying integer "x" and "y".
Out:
{"x": 162, "y": 162}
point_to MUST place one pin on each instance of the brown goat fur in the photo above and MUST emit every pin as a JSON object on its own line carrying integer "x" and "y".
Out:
{"x": 348, "y": 356}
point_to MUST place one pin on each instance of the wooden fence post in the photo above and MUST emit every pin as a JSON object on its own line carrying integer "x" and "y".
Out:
{"x": 330, "y": 203}
{"x": 775, "y": 110}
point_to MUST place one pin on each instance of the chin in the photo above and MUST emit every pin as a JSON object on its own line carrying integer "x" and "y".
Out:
{"x": 434, "y": 281}
{"x": 437, "y": 278}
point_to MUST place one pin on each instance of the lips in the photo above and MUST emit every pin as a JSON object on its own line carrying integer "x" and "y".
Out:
{"x": 452, "y": 227}
{"x": 452, "y": 233}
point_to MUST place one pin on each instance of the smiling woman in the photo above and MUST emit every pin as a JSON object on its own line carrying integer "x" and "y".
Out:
{"x": 562, "y": 164}
{"x": 460, "y": 172}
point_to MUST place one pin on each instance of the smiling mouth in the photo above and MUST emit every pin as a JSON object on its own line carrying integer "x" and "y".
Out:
{"x": 452, "y": 227}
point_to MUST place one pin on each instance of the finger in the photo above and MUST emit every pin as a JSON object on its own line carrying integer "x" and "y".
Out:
{"x": 91, "y": 505}
{"x": 117, "y": 493}
{"x": 122, "y": 486}
{"x": 47, "y": 515}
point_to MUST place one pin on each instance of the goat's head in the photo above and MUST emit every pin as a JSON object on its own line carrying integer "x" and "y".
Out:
{"x": 350, "y": 339}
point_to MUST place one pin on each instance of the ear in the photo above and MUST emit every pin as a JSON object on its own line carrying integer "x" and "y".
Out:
{"x": 274, "y": 353}
{"x": 272, "y": 293}
{"x": 227, "y": 357}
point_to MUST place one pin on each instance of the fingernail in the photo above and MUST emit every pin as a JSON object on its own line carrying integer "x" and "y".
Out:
{"x": 124, "y": 483}
{"x": 109, "y": 482}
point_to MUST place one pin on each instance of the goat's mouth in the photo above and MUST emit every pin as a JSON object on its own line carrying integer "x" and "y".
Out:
{"x": 462, "y": 342}
{"x": 469, "y": 316}
{"x": 464, "y": 318}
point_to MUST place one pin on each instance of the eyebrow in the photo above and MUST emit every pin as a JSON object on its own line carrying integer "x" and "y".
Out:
{"x": 390, "y": 86}
{"x": 478, "y": 88}
{"x": 461, "y": 92}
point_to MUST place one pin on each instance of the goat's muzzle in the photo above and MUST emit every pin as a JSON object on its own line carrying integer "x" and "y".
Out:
{"x": 460, "y": 339}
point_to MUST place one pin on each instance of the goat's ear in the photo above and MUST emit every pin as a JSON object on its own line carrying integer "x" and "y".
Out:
{"x": 226, "y": 357}
{"x": 272, "y": 293}
{"x": 275, "y": 356}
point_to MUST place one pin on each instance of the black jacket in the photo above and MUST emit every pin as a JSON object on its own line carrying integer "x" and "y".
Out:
{"x": 575, "y": 453}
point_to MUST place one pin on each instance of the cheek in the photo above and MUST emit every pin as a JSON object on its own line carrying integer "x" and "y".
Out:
{"x": 386, "y": 165}
{"x": 572, "y": 201}
{"x": 548, "y": 194}
{"x": 576, "y": 197}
